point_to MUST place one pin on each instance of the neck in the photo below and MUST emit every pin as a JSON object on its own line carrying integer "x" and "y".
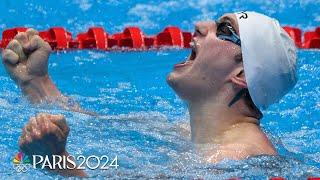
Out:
{"x": 212, "y": 119}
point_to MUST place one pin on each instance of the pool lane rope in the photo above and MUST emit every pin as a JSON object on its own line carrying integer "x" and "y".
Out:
{"x": 132, "y": 38}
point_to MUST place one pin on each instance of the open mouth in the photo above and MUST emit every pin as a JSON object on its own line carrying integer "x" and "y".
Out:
{"x": 191, "y": 57}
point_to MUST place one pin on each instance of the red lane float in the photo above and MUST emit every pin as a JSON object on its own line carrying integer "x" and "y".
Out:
{"x": 295, "y": 34}
{"x": 9, "y": 34}
{"x": 114, "y": 40}
{"x": 277, "y": 178}
{"x": 311, "y": 40}
{"x": 149, "y": 41}
{"x": 95, "y": 38}
{"x": 57, "y": 37}
{"x": 173, "y": 36}
{"x": 134, "y": 38}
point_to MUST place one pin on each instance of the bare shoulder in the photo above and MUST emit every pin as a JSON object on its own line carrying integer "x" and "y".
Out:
{"x": 252, "y": 140}
{"x": 259, "y": 143}
{"x": 241, "y": 150}
{"x": 233, "y": 151}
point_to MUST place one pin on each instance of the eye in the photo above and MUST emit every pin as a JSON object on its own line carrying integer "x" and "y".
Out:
{"x": 224, "y": 28}
{"x": 198, "y": 32}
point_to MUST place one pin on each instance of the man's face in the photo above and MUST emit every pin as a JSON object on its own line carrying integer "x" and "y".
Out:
{"x": 210, "y": 64}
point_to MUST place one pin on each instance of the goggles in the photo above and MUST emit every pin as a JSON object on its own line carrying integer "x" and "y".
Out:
{"x": 226, "y": 32}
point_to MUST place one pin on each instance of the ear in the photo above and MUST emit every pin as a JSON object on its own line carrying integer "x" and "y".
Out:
{"x": 238, "y": 78}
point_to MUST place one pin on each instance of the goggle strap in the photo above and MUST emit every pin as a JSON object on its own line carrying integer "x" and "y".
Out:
{"x": 239, "y": 95}
{"x": 233, "y": 39}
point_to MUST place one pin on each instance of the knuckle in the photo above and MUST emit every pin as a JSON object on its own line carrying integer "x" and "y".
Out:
{"x": 59, "y": 117}
{"x": 35, "y": 41}
{"x": 6, "y": 54}
{"x": 27, "y": 127}
{"x": 37, "y": 38}
{"x": 13, "y": 43}
{"x": 48, "y": 47}
{"x": 40, "y": 114}
{"x": 28, "y": 139}
{"x": 52, "y": 129}
{"x": 32, "y": 31}
{"x": 20, "y": 35}
{"x": 33, "y": 122}
{"x": 36, "y": 134}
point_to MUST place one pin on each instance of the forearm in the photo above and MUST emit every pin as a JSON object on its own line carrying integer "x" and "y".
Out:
{"x": 41, "y": 89}
{"x": 69, "y": 172}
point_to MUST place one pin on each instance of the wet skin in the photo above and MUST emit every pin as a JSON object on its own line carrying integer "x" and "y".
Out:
{"x": 207, "y": 82}
{"x": 26, "y": 61}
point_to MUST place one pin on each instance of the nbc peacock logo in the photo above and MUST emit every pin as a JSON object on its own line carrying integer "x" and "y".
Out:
{"x": 21, "y": 162}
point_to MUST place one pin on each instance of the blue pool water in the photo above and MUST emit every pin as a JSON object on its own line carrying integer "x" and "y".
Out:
{"x": 144, "y": 118}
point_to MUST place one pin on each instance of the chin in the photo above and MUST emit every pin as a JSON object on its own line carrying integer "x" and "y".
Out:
{"x": 171, "y": 80}
{"x": 178, "y": 76}
{"x": 176, "y": 84}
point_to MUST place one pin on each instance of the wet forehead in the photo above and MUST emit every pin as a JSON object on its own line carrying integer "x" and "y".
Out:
{"x": 232, "y": 19}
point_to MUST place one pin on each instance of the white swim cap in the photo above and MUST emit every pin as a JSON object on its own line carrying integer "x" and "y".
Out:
{"x": 269, "y": 58}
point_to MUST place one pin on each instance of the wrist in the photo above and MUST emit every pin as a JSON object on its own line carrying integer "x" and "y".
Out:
{"x": 64, "y": 153}
{"x": 69, "y": 172}
{"x": 39, "y": 89}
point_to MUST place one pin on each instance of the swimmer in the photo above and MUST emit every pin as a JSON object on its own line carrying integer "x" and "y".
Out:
{"x": 239, "y": 65}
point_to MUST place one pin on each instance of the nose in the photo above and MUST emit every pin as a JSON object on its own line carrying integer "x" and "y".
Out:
{"x": 204, "y": 28}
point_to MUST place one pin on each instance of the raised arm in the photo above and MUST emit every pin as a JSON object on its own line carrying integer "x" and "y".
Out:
{"x": 26, "y": 61}
{"x": 46, "y": 135}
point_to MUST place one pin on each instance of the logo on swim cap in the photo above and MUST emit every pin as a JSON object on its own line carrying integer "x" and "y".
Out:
{"x": 243, "y": 14}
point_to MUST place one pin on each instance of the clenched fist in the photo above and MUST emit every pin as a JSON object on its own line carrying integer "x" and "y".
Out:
{"x": 44, "y": 134}
{"x": 26, "y": 57}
